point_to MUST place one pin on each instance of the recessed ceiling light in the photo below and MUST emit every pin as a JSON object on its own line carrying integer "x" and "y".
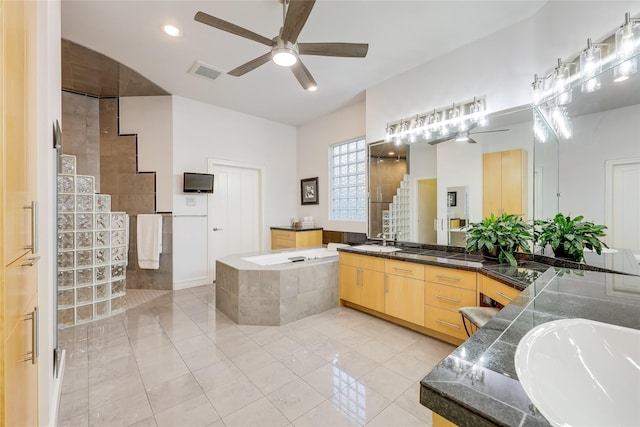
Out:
{"x": 391, "y": 153}
{"x": 171, "y": 30}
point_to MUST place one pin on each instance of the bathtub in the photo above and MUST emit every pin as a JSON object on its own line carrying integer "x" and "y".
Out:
{"x": 290, "y": 256}
{"x": 270, "y": 289}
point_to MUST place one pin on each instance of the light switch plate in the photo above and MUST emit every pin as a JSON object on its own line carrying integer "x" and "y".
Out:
{"x": 191, "y": 201}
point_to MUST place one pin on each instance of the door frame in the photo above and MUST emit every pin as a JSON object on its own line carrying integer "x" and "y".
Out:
{"x": 608, "y": 185}
{"x": 212, "y": 163}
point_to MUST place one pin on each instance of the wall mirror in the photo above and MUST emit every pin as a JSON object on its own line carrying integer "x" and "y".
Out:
{"x": 410, "y": 191}
{"x": 596, "y": 171}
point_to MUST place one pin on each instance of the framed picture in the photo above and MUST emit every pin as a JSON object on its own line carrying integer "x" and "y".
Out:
{"x": 452, "y": 198}
{"x": 309, "y": 191}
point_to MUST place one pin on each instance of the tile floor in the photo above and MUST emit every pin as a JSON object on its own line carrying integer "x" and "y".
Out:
{"x": 177, "y": 361}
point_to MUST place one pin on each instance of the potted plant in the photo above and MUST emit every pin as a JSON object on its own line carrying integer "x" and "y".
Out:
{"x": 568, "y": 237}
{"x": 499, "y": 237}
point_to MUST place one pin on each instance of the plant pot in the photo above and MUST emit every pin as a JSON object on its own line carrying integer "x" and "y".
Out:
{"x": 559, "y": 252}
{"x": 491, "y": 254}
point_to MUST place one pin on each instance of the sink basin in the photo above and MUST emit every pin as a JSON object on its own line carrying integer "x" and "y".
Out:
{"x": 376, "y": 248}
{"x": 580, "y": 372}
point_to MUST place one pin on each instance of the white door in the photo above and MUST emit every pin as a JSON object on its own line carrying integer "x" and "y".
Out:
{"x": 623, "y": 204}
{"x": 235, "y": 211}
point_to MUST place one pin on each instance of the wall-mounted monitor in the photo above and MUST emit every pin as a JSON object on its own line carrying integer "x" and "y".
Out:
{"x": 197, "y": 183}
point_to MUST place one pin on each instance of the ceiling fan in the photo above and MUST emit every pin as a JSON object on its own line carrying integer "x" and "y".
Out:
{"x": 285, "y": 49}
{"x": 464, "y": 136}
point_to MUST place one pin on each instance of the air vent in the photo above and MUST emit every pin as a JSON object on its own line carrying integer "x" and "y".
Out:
{"x": 205, "y": 70}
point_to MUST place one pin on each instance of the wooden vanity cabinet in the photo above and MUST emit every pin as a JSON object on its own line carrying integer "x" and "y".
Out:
{"x": 404, "y": 291}
{"x": 496, "y": 290}
{"x": 447, "y": 290}
{"x": 285, "y": 239}
{"x": 361, "y": 281}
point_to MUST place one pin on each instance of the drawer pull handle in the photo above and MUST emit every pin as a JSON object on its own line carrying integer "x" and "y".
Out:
{"x": 504, "y": 296}
{"x": 451, "y": 325}
{"x": 447, "y": 298}
{"x": 31, "y": 261}
{"x": 33, "y": 247}
{"x": 440, "y": 276}
{"x": 32, "y": 356}
{"x": 406, "y": 270}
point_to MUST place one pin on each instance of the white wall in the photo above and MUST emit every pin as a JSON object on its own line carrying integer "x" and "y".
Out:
{"x": 151, "y": 118}
{"x": 202, "y": 131}
{"x": 49, "y": 109}
{"x": 314, "y": 140}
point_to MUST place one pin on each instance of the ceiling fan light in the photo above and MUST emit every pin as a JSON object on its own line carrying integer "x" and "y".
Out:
{"x": 312, "y": 88}
{"x": 284, "y": 57}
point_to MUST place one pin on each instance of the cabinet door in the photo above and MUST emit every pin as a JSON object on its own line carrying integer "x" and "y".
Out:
{"x": 491, "y": 184}
{"x": 308, "y": 238}
{"x": 514, "y": 184}
{"x": 497, "y": 291}
{"x": 349, "y": 283}
{"x": 372, "y": 289}
{"x": 404, "y": 299}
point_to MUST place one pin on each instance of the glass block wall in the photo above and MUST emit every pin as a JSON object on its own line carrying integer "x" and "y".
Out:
{"x": 396, "y": 221}
{"x": 92, "y": 249}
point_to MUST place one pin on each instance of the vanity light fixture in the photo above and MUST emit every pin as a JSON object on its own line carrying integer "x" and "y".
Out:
{"x": 627, "y": 46}
{"x": 590, "y": 68}
{"x": 586, "y": 67}
{"x": 463, "y": 136}
{"x": 439, "y": 123}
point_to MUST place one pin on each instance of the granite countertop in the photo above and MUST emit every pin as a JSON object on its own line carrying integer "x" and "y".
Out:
{"x": 476, "y": 385}
{"x": 289, "y": 228}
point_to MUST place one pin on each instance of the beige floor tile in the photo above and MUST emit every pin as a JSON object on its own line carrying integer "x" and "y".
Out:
{"x": 302, "y": 362}
{"x": 194, "y": 412}
{"x": 173, "y": 392}
{"x": 359, "y": 403}
{"x": 328, "y": 379}
{"x": 260, "y": 413}
{"x": 147, "y": 422}
{"x": 271, "y": 377}
{"x": 217, "y": 375}
{"x": 295, "y": 398}
{"x": 377, "y": 351}
{"x": 354, "y": 363}
{"x": 253, "y": 360}
{"x": 114, "y": 389}
{"x": 162, "y": 365}
{"x": 395, "y": 416}
{"x": 324, "y": 415}
{"x": 233, "y": 396}
{"x": 203, "y": 358}
{"x": 408, "y": 366}
{"x": 80, "y": 420}
{"x": 410, "y": 402}
{"x": 386, "y": 381}
{"x": 121, "y": 412}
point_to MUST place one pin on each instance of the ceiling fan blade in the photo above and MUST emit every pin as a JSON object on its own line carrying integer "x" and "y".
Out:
{"x": 303, "y": 75}
{"x": 297, "y": 13}
{"x": 231, "y": 28}
{"x": 350, "y": 50}
{"x": 251, "y": 65}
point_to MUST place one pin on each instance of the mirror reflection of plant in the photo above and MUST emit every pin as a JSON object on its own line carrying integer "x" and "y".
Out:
{"x": 568, "y": 237}
{"x": 501, "y": 236}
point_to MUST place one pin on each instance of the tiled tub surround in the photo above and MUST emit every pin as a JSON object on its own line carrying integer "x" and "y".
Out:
{"x": 477, "y": 383}
{"x": 92, "y": 249}
{"x": 250, "y": 294}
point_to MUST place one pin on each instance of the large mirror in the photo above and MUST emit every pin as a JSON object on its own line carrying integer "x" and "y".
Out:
{"x": 595, "y": 170}
{"x": 413, "y": 186}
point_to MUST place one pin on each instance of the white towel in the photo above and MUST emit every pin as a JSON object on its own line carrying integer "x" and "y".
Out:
{"x": 335, "y": 246}
{"x": 149, "y": 241}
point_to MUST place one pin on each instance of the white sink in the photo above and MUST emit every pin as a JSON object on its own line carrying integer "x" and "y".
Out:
{"x": 376, "y": 248}
{"x": 582, "y": 373}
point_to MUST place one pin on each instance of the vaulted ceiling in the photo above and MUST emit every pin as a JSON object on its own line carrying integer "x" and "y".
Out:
{"x": 400, "y": 34}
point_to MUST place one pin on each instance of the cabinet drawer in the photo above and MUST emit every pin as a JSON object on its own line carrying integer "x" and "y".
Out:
{"x": 452, "y": 277}
{"x": 282, "y": 243}
{"x": 405, "y": 269}
{"x": 448, "y": 297}
{"x": 282, "y": 234}
{"x": 497, "y": 291}
{"x": 362, "y": 261}
{"x": 445, "y": 321}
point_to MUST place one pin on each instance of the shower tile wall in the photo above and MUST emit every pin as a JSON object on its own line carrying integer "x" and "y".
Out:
{"x": 92, "y": 249}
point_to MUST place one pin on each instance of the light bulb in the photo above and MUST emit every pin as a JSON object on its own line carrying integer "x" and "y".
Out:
{"x": 590, "y": 67}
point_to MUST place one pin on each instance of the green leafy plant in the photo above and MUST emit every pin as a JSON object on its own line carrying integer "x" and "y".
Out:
{"x": 500, "y": 237}
{"x": 568, "y": 237}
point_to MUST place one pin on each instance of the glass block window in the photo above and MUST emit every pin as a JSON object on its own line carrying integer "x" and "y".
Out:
{"x": 348, "y": 185}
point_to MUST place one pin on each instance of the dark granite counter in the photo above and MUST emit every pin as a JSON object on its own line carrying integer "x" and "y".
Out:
{"x": 476, "y": 385}
{"x": 289, "y": 228}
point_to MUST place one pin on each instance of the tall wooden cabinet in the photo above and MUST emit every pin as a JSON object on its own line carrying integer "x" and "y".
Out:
{"x": 505, "y": 183}
{"x": 18, "y": 215}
